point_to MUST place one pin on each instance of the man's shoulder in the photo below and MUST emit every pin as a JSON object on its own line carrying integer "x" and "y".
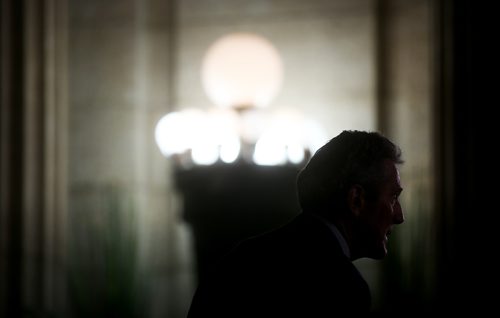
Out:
{"x": 303, "y": 236}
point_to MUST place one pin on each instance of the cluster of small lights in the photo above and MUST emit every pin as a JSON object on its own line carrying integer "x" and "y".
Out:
{"x": 209, "y": 137}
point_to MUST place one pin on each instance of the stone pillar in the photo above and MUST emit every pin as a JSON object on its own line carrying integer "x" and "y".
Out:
{"x": 33, "y": 158}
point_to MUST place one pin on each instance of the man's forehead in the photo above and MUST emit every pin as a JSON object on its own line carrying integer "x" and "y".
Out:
{"x": 392, "y": 172}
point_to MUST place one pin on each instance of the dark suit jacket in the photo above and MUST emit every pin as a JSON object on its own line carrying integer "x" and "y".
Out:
{"x": 296, "y": 270}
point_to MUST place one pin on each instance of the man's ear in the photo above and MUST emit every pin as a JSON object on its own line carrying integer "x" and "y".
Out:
{"x": 356, "y": 199}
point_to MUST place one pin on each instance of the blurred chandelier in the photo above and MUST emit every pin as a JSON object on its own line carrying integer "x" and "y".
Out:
{"x": 241, "y": 74}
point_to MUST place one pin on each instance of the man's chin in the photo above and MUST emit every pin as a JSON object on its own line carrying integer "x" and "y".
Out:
{"x": 379, "y": 253}
{"x": 374, "y": 251}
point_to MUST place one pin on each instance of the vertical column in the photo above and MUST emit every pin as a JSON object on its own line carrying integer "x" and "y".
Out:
{"x": 33, "y": 156}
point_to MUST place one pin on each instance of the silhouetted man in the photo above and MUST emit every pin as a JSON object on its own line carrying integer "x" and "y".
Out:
{"x": 349, "y": 193}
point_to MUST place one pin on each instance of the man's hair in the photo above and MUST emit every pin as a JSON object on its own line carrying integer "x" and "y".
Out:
{"x": 353, "y": 157}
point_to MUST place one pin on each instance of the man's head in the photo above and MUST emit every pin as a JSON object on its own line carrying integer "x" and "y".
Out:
{"x": 353, "y": 181}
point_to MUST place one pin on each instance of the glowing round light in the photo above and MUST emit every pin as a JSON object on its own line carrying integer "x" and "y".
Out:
{"x": 242, "y": 70}
{"x": 230, "y": 149}
{"x": 218, "y": 139}
{"x": 269, "y": 151}
{"x": 204, "y": 154}
{"x": 177, "y": 132}
{"x": 295, "y": 153}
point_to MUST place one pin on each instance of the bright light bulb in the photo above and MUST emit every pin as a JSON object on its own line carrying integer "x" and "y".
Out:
{"x": 222, "y": 132}
{"x": 242, "y": 70}
{"x": 204, "y": 154}
{"x": 295, "y": 153}
{"x": 270, "y": 151}
{"x": 230, "y": 149}
{"x": 176, "y": 132}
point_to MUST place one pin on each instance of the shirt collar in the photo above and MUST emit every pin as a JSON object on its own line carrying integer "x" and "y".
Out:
{"x": 338, "y": 235}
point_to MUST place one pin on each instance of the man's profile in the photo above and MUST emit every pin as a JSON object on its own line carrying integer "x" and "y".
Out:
{"x": 348, "y": 192}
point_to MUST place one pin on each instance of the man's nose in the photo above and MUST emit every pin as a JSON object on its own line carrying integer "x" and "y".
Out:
{"x": 398, "y": 215}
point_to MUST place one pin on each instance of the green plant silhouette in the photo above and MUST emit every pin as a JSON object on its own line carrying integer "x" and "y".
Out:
{"x": 103, "y": 257}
